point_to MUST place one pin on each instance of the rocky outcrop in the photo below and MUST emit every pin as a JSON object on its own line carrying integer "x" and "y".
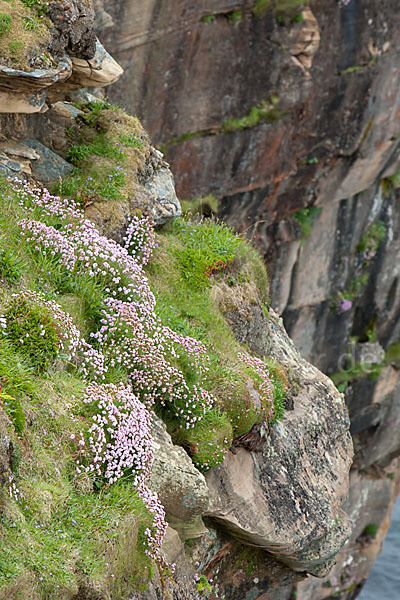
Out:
{"x": 181, "y": 488}
{"x": 287, "y": 499}
{"x": 308, "y": 179}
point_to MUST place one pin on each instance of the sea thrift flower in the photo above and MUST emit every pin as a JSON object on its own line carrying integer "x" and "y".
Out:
{"x": 345, "y": 305}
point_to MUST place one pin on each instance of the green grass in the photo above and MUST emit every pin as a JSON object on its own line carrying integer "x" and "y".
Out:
{"x": 107, "y": 148}
{"x": 192, "y": 259}
{"x": 5, "y": 23}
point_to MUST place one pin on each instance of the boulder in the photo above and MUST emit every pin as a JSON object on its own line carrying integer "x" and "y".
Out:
{"x": 50, "y": 166}
{"x": 288, "y": 498}
{"x": 181, "y": 488}
{"x": 165, "y": 205}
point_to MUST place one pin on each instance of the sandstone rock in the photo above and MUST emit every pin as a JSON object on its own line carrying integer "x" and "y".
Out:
{"x": 183, "y": 585}
{"x": 371, "y": 501}
{"x": 25, "y": 92}
{"x": 180, "y": 486}
{"x": 305, "y": 41}
{"x": 287, "y": 499}
{"x": 99, "y": 71}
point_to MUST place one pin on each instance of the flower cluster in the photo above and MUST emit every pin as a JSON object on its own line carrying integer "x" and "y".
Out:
{"x": 130, "y": 334}
{"x": 139, "y": 239}
{"x": 119, "y": 438}
{"x": 39, "y": 328}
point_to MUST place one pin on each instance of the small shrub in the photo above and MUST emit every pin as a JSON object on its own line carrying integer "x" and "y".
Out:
{"x": 208, "y": 247}
{"x": 5, "y": 23}
{"x": 234, "y": 17}
{"x": 38, "y": 329}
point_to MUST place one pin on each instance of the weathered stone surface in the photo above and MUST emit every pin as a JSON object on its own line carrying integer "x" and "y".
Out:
{"x": 165, "y": 204}
{"x": 288, "y": 499}
{"x": 180, "y": 486}
{"x": 371, "y": 501}
{"x": 183, "y": 585}
{"x": 154, "y": 195}
{"x": 73, "y": 29}
{"x": 305, "y": 41}
{"x": 98, "y": 71}
{"x": 23, "y": 92}
{"x": 50, "y": 166}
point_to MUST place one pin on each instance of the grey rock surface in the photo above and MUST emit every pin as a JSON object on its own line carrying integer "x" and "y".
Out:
{"x": 181, "y": 488}
{"x": 288, "y": 498}
{"x": 165, "y": 205}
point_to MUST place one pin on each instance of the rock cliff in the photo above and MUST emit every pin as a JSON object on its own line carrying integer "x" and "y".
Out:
{"x": 287, "y": 114}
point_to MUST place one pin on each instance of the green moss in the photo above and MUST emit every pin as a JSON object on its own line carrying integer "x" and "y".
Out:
{"x": 261, "y": 6}
{"x": 265, "y": 112}
{"x": 16, "y": 47}
{"x": 305, "y": 217}
{"x": 234, "y": 17}
{"x": 353, "y": 69}
{"x": 31, "y": 330}
{"x": 208, "y": 19}
{"x": 370, "y": 530}
{"x": 284, "y": 9}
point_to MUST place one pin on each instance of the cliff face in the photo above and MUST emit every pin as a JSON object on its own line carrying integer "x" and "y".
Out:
{"x": 293, "y": 123}
{"x": 288, "y": 115}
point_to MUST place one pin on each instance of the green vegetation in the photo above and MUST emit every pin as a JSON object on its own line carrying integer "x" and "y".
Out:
{"x": 16, "y": 47}
{"x": 24, "y": 33}
{"x": 234, "y": 17}
{"x": 204, "y": 206}
{"x": 199, "y": 272}
{"x": 284, "y": 9}
{"x": 59, "y": 534}
{"x": 370, "y": 530}
{"x": 265, "y": 112}
{"x": 66, "y": 533}
{"x": 5, "y": 23}
{"x": 371, "y": 370}
{"x": 372, "y": 238}
{"x": 32, "y": 330}
{"x": 208, "y": 19}
{"x": 203, "y": 584}
{"x": 366, "y": 250}
{"x": 102, "y": 146}
{"x": 261, "y": 6}
{"x": 305, "y": 217}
